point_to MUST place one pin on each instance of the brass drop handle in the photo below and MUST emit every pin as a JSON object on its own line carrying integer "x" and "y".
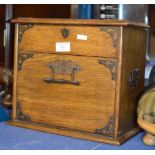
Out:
{"x": 65, "y": 32}
{"x": 62, "y": 67}
{"x": 61, "y": 81}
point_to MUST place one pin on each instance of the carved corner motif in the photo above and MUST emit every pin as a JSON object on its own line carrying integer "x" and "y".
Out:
{"x": 111, "y": 65}
{"x": 20, "y": 115}
{"x": 22, "y": 29}
{"x": 108, "y": 130}
{"x": 113, "y": 32}
{"x": 22, "y": 58}
{"x": 120, "y": 133}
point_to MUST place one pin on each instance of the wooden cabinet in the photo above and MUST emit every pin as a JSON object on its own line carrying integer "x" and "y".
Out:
{"x": 79, "y": 78}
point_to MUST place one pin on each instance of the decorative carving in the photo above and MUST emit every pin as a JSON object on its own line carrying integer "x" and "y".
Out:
{"x": 62, "y": 67}
{"x": 21, "y": 115}
{"x": 111, "y": 65}
{"x": 65, "y": 32}
{"x": 113, "y": 32}
{"x": 120, "y": 133}
{"x": 22, "y": 29}
{"x": 108, "y": 129}
{"x": 134, "y": 77}
{"x": 22, "y": 58}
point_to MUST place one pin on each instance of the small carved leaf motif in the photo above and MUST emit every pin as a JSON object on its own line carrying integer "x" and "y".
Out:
{"x": 108, "y": 129}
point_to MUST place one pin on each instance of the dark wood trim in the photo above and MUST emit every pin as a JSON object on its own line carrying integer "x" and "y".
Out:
{"x": 8, "y": 34}
{"x": 117, "y": 94}
{"x": 2, "y": 28}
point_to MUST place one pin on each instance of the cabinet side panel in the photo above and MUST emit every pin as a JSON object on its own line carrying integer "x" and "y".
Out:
{"x": 133, "y": 62}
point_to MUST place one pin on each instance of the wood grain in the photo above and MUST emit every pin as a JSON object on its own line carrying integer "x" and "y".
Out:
{"x": 85, "y": 107}
{"x": 118, "y": 82}
{"x": 15, "y": 71}
{"x": 43, "y": 38}
{"x": 96, "y": 22}
{"x": 133, "y": 56}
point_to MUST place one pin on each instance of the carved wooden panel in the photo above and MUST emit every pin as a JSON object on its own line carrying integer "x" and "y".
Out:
{"x": 43, "y": 38}
{"x": 84, "y": 107}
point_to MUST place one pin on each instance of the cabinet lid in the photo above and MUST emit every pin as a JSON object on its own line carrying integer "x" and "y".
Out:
{"x": 93, "y": 22}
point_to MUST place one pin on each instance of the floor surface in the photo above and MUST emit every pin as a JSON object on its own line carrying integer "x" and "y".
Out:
{"x": 14, "y": 138}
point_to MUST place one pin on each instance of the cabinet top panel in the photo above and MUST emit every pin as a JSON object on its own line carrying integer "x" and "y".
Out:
{"x": 93, "y": 22}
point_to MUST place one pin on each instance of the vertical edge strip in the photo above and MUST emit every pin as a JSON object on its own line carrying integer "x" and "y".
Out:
{"x": 15, "y": 71}
{"x": 118, "y": 83}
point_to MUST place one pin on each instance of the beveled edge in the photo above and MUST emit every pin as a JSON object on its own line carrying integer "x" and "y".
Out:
{"x": 93, "y": 22}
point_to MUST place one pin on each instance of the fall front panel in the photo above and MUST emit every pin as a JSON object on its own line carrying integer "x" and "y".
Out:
{"x": 74, "y": 92}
